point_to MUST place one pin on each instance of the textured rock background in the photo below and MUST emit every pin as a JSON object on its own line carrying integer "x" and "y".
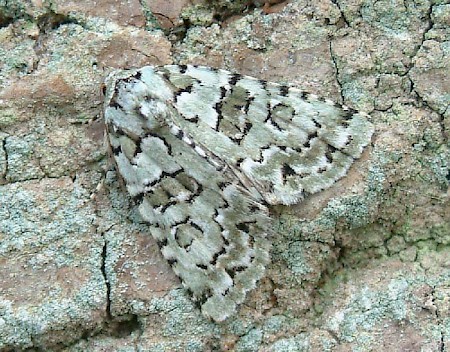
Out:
{"x": 362, "y": 266}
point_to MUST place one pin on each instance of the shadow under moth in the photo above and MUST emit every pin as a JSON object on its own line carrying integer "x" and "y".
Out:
{"x": 205, "y": 152}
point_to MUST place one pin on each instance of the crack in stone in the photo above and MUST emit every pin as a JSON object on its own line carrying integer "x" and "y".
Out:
{"x": 338, "y": 5}
{"x": 438, "y": 317}
{"x": 5, "y": 151}
{"x": 105, "y": 277}
{"x": 333, "y": 58}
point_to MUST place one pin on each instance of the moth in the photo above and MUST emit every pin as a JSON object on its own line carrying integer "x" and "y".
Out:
{"x": 205, "y": 152}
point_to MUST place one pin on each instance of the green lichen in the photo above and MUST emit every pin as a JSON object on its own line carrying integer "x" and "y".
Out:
{"x": 23, "y": 324}
{"x": 151, "y": 22}
{"x": 16, "y": 57}
{"x": 294, "y": 257}
{"x": 250, "y": 342}
{"x": 10, "y": 11}
{"x": 274, "y": 324}
{"x": 8, "y": 116}
{"x": 298, "y": 343}
{"x": 198, "y": 15}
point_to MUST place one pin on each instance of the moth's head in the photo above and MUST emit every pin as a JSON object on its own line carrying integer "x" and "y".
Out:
{"x": 137, "y": 100}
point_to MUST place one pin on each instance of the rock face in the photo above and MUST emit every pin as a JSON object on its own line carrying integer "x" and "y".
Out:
{"x": 363, "y": 265}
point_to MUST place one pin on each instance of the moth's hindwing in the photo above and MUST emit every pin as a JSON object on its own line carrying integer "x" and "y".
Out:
{"x": 203, "y": 151}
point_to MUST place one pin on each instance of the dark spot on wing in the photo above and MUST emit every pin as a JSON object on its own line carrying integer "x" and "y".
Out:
{"x": 234, "y": 79}
{"x": 284, "y": 90}
{"x": 243, "y": 227}
{"x": 329, "y": 153}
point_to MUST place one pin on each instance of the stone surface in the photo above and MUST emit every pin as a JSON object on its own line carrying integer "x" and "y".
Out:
{"x": 361, "y": 266}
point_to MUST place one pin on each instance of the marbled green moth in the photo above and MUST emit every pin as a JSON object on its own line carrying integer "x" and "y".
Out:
{"x": 206, "y": 152}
